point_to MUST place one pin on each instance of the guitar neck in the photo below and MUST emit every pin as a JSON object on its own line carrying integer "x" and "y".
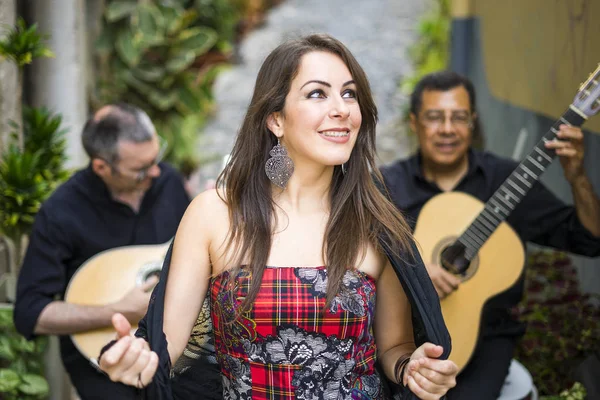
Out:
{"x": 515, "y": 187}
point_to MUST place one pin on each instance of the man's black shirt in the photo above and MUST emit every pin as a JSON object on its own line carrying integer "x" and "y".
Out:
{"x": 540, "y": 218}
{"x": 78, "y": 221}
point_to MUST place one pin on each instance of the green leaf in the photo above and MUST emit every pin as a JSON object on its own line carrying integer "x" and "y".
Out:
{"x": 6, "y": 349}
{"x": 180, "y": 62}
{"x": 197, "y": 40}
{"x": 148, "y": 72}
{"x": 34, "y": 385}
{"x": 188, "y": 100}
{"x": 105, "y": 43}
{"x": 9, "y": 380}
{"x": 149, "y": 22}
{"x": 126, "y": 47}
{"x": 119, "y": 9}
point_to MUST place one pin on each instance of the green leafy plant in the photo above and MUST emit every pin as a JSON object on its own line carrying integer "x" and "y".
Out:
{"x": 29, "y": 176}
{"x": 21, "y": 45}
{"x": 563, "y": 324}
{"x": 149, "y": 54}
{"x": 431, "y": 51}
{"x": 577, "y": 392}
{"x": 21, "y": 365}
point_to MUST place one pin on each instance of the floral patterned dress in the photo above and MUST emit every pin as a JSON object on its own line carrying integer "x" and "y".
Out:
{"x": 286, "y": 347}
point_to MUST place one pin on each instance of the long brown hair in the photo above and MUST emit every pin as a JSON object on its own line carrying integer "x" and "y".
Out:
{"x": 359, "y": 212}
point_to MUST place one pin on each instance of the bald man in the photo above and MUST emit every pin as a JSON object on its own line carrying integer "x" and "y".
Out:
{"x": 126, "y": 196}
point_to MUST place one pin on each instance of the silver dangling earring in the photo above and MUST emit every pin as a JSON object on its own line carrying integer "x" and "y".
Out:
{"x": 344, "y": 169}
{"x": 279, "y": 167}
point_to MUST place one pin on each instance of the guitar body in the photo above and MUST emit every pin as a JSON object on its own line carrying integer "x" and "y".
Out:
{"x": 497, "y": 266}
{"x": 106, "y": 278}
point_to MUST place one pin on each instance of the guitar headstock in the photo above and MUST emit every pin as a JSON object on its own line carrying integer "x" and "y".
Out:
{"x": 587, "y": 99}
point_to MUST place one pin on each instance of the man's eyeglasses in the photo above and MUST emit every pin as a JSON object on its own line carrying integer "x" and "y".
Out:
{"x": 140, "y": 174}
{"x": 438, "y": 119}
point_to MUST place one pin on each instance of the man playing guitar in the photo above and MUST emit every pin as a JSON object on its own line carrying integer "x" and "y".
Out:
{"x": 444, "y": 117}
{"x": 124, "y": 197}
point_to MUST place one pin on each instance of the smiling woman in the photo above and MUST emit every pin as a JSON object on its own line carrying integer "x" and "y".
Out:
{"x": 298, "y": 271}
{"x": 321, "y": 118}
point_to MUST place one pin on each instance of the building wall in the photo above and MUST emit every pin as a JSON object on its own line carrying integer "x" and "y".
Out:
{"x": 9, "y": 107}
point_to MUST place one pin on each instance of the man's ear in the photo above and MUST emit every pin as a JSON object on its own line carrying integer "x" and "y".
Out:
{"x": 100, "y": 167}
{"x": 413, "y": 122}
{"x": 275, "y": 123}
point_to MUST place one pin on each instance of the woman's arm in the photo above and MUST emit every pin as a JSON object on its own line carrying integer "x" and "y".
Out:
{"x": 393, "y": 325}
{"x": 425, "y": 375}
{"x": 130, "y": 360}
{"x": 190, "y": 271}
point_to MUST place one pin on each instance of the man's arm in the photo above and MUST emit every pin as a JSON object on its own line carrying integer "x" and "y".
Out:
{"x": 587, "y": 204}
{"x": 43, "y": 277}
{"x": 61, "y": 318}
{"x": 570, "y": 151}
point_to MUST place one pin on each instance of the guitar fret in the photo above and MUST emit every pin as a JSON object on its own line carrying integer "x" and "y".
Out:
{"x": 544, "y": 154}
{"x": 529, "y": 171}
{"x": 467, "y": 245}
{"x": 478, "y": 240}
{"x": 508, "y": 193}
{"x": 479, "y": 232}
{"x": 565, "y": 121}
{"x": 490, "y": 217}
{"x": 484, "y": 223}
{"x": 537, "y": 164}
{"x": 464, "y": 239}
{"x": 522, "y": 179}
{"x": 498, "y": 207}
{"x": 517, "y": 188}
{"x": 504, "y": 200}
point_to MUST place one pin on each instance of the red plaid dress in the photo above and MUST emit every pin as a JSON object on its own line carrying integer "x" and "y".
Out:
{"x": 285, "y": 347}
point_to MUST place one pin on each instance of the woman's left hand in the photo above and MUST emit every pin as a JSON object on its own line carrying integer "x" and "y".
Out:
{"x": 428, "y": 377}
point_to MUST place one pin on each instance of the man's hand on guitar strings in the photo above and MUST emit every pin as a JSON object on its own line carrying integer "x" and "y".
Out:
{"x": 135, "y": 303}
{"x": 443, "y": 281}
{"x": 569, "y": 148}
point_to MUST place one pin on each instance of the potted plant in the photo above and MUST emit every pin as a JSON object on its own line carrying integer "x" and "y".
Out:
{"x": 21, "y": 368}
{"x": 563, "y": 324}
{"x": 31, "y": 166}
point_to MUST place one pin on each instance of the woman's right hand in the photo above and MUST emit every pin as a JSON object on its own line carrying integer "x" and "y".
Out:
{"x": 129, "y": 360}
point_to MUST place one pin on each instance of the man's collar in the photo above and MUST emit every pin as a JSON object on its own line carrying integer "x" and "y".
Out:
{"x": 415, "y": 164}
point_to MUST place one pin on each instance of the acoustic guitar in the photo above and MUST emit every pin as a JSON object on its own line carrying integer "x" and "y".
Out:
{"x": 106, "y": 278}
{"x": 470, "y": 237}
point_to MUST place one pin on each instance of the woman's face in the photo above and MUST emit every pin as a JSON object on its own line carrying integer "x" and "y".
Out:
{"x": 321, "y": 116}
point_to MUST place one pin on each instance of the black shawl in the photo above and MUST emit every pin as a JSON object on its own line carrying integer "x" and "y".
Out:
{"x": 202, "y": 380}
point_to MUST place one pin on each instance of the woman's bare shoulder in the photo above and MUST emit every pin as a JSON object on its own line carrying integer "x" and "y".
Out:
{"x": 209, "y": 206}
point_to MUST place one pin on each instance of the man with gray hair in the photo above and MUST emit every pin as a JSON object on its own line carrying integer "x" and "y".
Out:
{"x": 125, "y": 196}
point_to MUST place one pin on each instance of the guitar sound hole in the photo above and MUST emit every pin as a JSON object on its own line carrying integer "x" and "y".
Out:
{"x": 147, "y": 271}
{"x": 453, "y": 259}
{"x": 151, "y": 274}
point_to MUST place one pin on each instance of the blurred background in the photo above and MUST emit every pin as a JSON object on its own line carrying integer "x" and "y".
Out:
{"x": 191, "y": 65}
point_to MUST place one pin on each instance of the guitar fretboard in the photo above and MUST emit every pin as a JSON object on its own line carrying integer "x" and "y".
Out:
{"x": 514, "y": 188}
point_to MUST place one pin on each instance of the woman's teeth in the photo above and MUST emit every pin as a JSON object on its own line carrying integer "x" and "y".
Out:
{"x": 334, "y": 133}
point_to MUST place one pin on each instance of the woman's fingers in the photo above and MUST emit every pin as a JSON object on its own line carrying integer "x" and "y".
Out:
{"x": 149, "y": 370}
{"x": 429, "y": 378}
{"x": 113, "y": 355}
{"x": 119, "y": 365}
{"x": 421, "y": 393}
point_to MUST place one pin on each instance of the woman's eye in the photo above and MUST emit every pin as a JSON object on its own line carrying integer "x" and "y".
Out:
{"x": 349, "y": 94}
{"x": 316, "y": 94}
